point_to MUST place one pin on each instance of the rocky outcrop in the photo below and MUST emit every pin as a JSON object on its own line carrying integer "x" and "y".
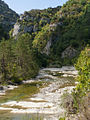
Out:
{"x": 55, "y": 25}
{"x": 33, "y": 21}
{"x": 69, "y": 52}
{"x": 47, "y": 20}
{"x": 35, "y": 28}
{"x": 16, "y": 29}
{"x": 47, "y": 48}
{"x": 28, "y": 29}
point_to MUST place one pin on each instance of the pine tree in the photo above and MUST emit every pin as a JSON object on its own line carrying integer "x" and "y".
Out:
{"x": 25, "y": 58}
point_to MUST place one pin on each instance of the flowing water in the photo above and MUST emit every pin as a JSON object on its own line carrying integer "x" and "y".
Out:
{"x": 46, "y": 105}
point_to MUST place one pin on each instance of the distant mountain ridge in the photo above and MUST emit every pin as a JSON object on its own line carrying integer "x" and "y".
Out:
{"x": 8, "y": 17}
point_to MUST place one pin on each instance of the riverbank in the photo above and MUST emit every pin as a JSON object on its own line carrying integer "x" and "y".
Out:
{"x": 49, "y": 99}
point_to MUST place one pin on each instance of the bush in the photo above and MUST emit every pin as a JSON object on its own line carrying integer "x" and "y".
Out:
{"x": 83, "y": 67}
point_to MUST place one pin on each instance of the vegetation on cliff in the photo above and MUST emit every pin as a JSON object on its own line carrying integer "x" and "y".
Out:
{"x": 3, "y": 34}
{"x": 75, "y": 17}
{"x": 8, "y": 17}
{"x": 62, "y": 32}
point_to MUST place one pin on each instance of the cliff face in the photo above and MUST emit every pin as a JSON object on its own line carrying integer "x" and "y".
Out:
{"x": 33, "y": 21}
{"x": 62, "y": 26}
{"x": 7, "y": 16}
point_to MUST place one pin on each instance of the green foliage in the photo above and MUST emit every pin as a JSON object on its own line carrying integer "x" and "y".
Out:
{"x": 62, "y": 119}
{"x": 20, "y": 59}
{"x": 72, "y": 27}
{"x": 3, "y": 34}
{"x": 74, "y": 31}
{"x": 17, "y": 61}
{"x": 83, "y": 66}
{"x": 36, "y": 19}
{"x": 5, "y": 59}
{"x": 7, "y": 16}
{"x": 24, "y": 54}
{"x": 41, "y": 38}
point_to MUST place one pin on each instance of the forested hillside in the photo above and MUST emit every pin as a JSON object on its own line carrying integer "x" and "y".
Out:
{"x": 33, "y": 21}
{"x": 57, "y": 30}
{"x": 75, "y": 16}
{"x": 8, "y": 17}
{"x": 40, "y": 38}
{"x": 3, "y": 33}
{"x": 52, "y": 37}
{"x": 70, "y": 30}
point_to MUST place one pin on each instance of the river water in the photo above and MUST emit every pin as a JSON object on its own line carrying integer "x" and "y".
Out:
{"x": 46, "y": 105}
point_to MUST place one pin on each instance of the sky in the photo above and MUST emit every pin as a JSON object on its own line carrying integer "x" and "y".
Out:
{"x": 25, "y": 5}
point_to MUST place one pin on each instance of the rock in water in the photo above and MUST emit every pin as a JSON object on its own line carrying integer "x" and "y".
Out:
{"x": 1, "y": 88}
{"x": 69, "y": 52}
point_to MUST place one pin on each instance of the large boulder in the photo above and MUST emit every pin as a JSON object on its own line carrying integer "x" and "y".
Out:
{"x": 69, "y": 52}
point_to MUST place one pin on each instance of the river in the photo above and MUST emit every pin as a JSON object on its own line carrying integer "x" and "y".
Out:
{"x": 45, "y": 105}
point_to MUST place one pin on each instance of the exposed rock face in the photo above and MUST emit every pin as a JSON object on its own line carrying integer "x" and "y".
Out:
{"x": 35, "y": 28}
{"x": 46, "y": 19}
{"x": 55, "y": 25}
{"x": 28, "y": 29}
{"x": 33, "y": 21}
{"x": 16, "y": 29}
{"x": 69, "y": 52}
{"x": 47, "y": 48}
{"x": 7, "y": 16}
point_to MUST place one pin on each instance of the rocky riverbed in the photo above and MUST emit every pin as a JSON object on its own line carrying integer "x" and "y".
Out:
{"x": 46, "y": 103}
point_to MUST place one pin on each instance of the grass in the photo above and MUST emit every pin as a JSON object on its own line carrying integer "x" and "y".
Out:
{"x": 62, "y": 118}
{"x": 23, "y": 92}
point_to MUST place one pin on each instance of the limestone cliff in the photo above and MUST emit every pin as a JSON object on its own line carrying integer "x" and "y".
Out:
{"x": 33, "y": 21}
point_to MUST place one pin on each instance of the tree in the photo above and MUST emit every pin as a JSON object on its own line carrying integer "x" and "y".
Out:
{"x": 25, "y": 58}
{"x": 6, "y": 59}
{"x": 41, "y": 38}
{"x": 83, "y": 67}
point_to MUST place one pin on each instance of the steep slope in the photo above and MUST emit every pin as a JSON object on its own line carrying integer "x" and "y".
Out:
{"x": 75, "y": 16}
{"x": 7, "y": 16}
{"x": 2, "y": 33}
{"x": 61, "y": 32}
{"x": 33, "y": 21}
{"x": 69, "y": 31}
{"x": 54, "y": 36}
